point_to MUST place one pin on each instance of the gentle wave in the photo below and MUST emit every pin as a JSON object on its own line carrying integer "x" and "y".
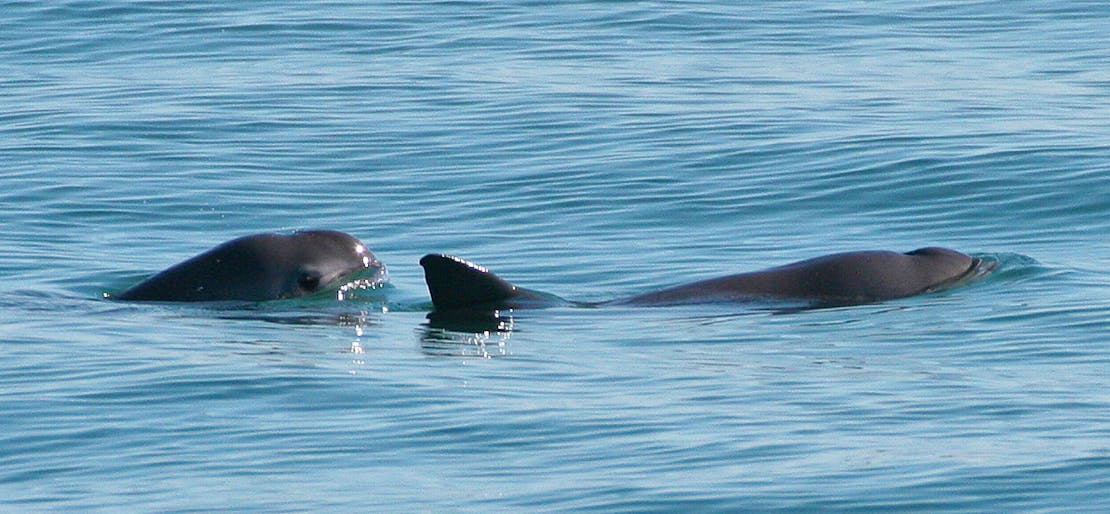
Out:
{"x": 590, "y": 149}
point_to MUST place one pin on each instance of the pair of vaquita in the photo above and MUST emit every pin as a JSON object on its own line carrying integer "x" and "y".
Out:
{"x": 265, "y": 267}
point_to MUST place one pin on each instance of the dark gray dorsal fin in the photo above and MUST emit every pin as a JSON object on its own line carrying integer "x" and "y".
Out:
{"x": 456, "y": 283}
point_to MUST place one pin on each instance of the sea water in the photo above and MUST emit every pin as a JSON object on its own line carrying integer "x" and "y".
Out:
{"x": 587, "y": 149}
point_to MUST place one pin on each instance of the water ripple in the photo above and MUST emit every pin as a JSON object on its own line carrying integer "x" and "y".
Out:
{"x": 591, "y": 149}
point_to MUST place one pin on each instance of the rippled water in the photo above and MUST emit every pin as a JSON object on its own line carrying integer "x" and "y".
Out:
{"x": 589, "y": 149}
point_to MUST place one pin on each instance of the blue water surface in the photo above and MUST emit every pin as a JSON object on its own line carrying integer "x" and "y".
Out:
{"x": 589, "y": 149}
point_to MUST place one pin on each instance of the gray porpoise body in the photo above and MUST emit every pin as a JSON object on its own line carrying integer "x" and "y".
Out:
{"x": 840, "y": 279}
{"x": 261, "y": 267}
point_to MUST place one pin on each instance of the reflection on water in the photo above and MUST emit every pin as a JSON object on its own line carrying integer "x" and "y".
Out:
{"x": 467, "y": 334}
{"x": 359, "y": 319}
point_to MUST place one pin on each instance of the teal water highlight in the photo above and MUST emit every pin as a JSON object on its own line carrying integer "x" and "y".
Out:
{"x": 591, "y": 149}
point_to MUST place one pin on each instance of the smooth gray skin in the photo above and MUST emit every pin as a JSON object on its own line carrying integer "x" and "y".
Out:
{"x": 838, "y": 279}
{"x": 261, "y": 267}
{"x": 843, "y": 278}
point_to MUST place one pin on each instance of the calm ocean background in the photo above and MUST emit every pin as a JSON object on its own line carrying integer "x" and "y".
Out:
{"x": 590, "y": 149}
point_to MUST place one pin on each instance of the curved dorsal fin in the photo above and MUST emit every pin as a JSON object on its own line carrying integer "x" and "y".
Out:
{"x": 456, "y": 283}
